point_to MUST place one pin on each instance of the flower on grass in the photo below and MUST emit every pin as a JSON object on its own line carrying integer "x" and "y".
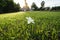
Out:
{"x": 30, "y": 20}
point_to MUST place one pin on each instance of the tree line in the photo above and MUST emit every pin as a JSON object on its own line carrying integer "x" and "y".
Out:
{"x": 8, "y": 6}
{"x": 11, "y": 6}
{"x": 43, "y": 8}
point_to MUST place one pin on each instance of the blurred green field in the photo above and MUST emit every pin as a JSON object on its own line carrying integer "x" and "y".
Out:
{"x": 13, "y": 26}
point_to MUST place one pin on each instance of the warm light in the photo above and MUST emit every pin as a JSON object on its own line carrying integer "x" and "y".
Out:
{"x": 21, "y": 2}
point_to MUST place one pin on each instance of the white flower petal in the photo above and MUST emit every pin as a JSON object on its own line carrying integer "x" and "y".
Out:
{"x": 30, "y": 20}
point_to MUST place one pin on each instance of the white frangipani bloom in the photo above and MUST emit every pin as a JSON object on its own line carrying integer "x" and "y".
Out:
{"x": 30, "y": 20}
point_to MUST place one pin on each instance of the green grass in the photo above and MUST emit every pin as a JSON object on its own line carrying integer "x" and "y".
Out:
{"x": 13, "y": 26}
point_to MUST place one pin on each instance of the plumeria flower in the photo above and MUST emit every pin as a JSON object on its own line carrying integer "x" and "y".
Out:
{"x": 30, "y": 20}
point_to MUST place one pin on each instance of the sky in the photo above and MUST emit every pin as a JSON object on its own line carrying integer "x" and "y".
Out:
{"x": 48, "y": 3}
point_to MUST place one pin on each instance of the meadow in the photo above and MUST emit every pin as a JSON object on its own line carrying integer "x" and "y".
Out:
{"x": 14, "y": 26}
